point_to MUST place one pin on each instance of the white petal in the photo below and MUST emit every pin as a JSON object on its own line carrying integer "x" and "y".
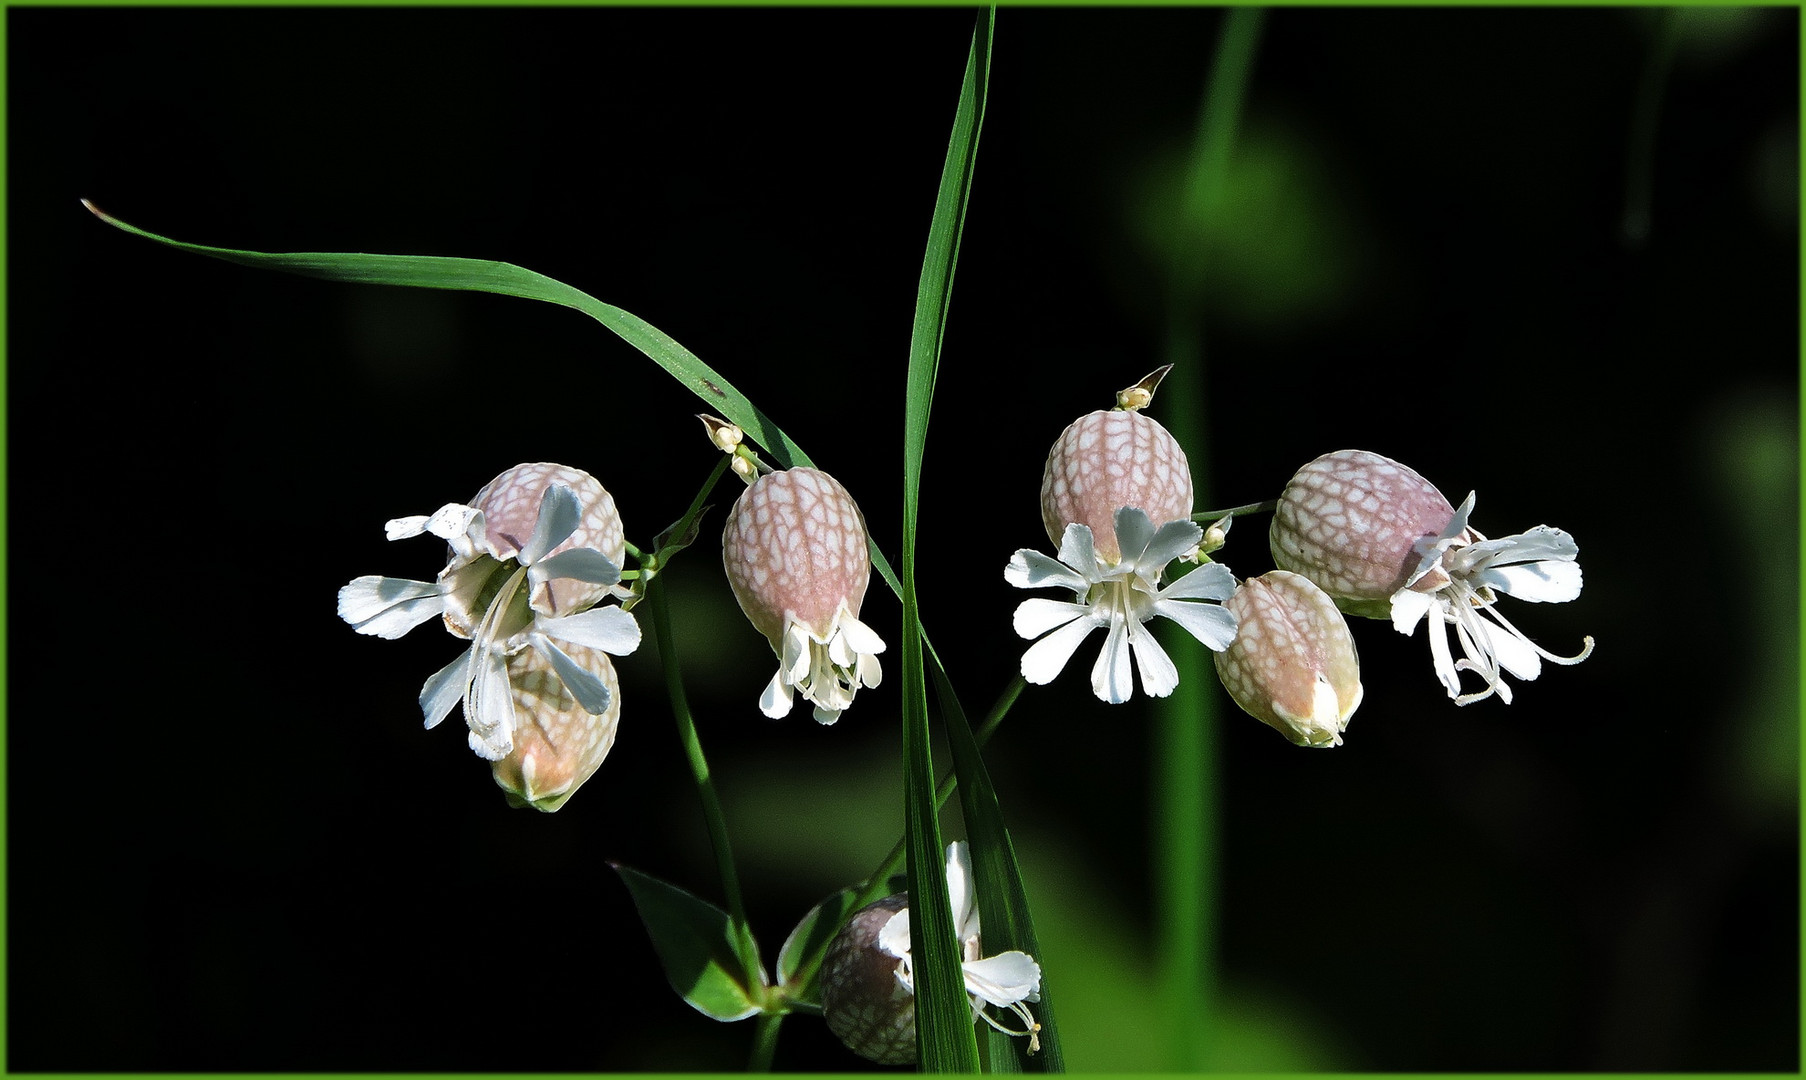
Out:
{"x": 1046, "y": 658}
{"x": 870, "y": 674}
{"x": 1134, "y": 531}
{"x": 1212, "y": 624}
{"x": 583, "y": 564}
{"x": 388, "y": 607}
{"x": 1170, "y": 541}
{"x": 959, "y": 890}
{"x": 862, "y": 638}
{"x": 589, "y": 690}
{"x": 1112, "y": 677}
{"x": 1004, "y": 979}
{"x": 557, "y": 520}
{"x": 1408, "y": 608}
{"x": 1440, "y": 656}
{"x": 1542, "y": 542}
{"x": 1546, "y": 582}
{"x": 1513, "y": 653}
{"x": 1079, "y": 551}
{"x": 441, "y": 693}
{"x": 1029, "y": 569}
{"x": 1212, "y": 581}
{"x": 893, "y": 936}
{"x": 606, "y": 628}
{"x": 1036, "y": 617}
{"x": 402, "y": 528}
{"x": 1159, "y": 677}
{"x": 489, "y": 707}
{"x": 776, "y": 699}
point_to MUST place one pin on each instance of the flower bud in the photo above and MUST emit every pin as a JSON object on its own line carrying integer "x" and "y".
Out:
{"x": 795, "y": 553}
{"x": 1349, "y": 522}
{"x": 1107, "y": 460}
{"x": 558, "y": 744}
{"x": 866, "y": 1006}
{"x": 1292, "y": 665}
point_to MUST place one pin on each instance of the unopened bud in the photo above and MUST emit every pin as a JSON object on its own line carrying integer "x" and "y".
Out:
{"x": 1292, "y": 665}
{"x": 557, "y": 743}
{"x": 864, "y": 1003}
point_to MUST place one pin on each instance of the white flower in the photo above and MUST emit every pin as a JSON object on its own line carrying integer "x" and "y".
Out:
{"x": 506, "y": 595}
{"x": 1005, "y": 980}
{"x": 1457, "y": 579}
{"x": 1120, "y": 596}
{"x": 794, "y": 548}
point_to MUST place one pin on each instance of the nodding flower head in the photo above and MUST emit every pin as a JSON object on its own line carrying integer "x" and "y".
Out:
{"x": 1384, "y": 543}
{"x": 1107, "y": 460}
{"x": 868, "y": 975}
{"x": 1292, "y": 665}
{"x": 795, "y": 552}
{"x": 531, "y": 558}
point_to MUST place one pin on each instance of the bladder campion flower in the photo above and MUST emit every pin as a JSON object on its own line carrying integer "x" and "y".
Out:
{"x": 1385, "y": 543}
{"x": 795, "y": 552}
{"x": 531, "y": 557}
{"x": 1120, "y": 595}
{"x": 868, "y": 978}
{"x": 1292, "y": 665}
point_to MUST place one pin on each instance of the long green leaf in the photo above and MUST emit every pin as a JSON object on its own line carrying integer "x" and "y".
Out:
{"x": 944, "y": 1034}
{"x": 506, "y": 279}
{"x": 997, "y": 880}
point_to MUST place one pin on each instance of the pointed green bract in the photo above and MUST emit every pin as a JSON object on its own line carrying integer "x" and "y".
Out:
{"x": 695, "y": 944}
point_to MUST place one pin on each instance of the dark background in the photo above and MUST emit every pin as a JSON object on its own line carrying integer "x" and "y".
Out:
{"x": 230, "y": 845}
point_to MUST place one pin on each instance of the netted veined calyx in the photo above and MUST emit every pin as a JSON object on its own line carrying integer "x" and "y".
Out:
{"x": 795, "y": 552}
{"x": 1105, "y": 461}
{"x": 558, "y": 744}
{"x": 1292, "y": 665}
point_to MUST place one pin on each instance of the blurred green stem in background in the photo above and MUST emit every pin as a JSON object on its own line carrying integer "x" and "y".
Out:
{"x": 1185, "y": 765}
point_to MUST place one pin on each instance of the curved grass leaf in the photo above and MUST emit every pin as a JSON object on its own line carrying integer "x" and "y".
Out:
{"x": 695, "y": 943}
{"x": 945, "y": 1040}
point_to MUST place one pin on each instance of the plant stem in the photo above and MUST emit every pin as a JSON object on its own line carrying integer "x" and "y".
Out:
{"x": 765, "y": 1041}
{"x": 705, "y": 787}
{"x": 1186, "y": 770}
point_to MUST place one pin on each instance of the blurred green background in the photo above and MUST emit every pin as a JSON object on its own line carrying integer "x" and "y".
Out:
{"x": 1549, "y": 255}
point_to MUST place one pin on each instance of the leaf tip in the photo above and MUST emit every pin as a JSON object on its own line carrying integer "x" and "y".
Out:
{"x": 96, "y": 211}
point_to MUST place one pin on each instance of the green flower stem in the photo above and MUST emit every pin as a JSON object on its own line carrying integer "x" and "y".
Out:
{"x": 1186, "y": 771}
{"x": 705, "y": 790}
{"x": 765, "y": 1041}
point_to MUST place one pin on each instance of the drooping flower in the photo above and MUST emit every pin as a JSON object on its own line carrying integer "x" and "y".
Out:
{"x": 1384, "y": 543}
{"x": 795, "y": 552}
{"x": 531, "y": 558}
{"x": 1292, "y": 665}
{"x": 868, "y": 976}
{"x": 1120, "y": 595}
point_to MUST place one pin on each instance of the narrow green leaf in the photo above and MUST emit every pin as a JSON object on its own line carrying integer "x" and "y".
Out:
{"x": 1003, "y": 909}
{"x": 506, "y": 279}
{"x": 944, "y": 1033}
{"x": 694, "y": 942}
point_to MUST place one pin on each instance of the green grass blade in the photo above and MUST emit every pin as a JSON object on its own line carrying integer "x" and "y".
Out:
{"x": 506, "y": 279}
{"x": 944, "y": 1032}
{"x": 1002, "y": 899}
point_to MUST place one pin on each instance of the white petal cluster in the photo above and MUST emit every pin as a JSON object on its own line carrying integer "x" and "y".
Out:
{"x": 827, "y": 669}
{"x": 484, "y": 595}
{"x": 1005, "y": 980}
{"x": 1120, "y": 596}
{"x": 1457, "y": 582}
